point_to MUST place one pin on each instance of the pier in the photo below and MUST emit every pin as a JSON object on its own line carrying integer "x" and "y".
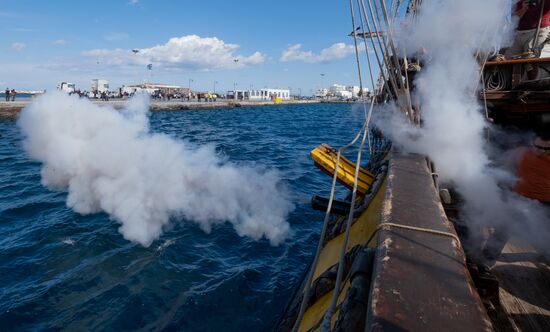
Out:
{"x": 9, "y": 110}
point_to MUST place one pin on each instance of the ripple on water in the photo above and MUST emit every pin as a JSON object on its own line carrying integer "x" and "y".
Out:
{"x": 61, "y": 270}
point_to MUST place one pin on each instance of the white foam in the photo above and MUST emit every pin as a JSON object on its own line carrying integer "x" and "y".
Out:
{"x": 69, "y": 241}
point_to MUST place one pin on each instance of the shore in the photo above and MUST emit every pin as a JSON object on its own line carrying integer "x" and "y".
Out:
{"x": 9, "y": 110}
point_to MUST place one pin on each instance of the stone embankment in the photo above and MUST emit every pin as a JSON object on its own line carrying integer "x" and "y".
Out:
{"x": 9, "y": 110}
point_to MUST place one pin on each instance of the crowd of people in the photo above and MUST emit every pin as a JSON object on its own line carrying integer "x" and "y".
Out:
{"x": 199, "y": 96}
{"x": 156, "y": 95}
{"x": 10, "y": 94}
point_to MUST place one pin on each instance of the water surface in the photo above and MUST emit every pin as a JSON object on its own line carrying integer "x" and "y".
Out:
{"x": 63, "y": 271}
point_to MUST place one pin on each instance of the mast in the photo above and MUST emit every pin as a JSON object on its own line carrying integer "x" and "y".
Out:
{"x": 378, "y": 21}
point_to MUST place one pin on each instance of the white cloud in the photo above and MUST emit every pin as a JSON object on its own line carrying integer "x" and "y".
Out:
{"x": 334, "y": 52}
{"x": 18, "y": 47}
{"x": 181, "y": 52}
{"x": 133, "y": 2}
{"x": 59, "y": 42}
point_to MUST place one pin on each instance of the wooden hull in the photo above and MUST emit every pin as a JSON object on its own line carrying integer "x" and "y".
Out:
{"x": 417, "y": 279}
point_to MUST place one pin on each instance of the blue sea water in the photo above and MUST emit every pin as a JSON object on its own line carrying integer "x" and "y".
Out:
{"x": 63, "y": 271}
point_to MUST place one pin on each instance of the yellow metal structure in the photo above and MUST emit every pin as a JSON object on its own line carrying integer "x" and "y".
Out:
{"x": 325, "y": 158}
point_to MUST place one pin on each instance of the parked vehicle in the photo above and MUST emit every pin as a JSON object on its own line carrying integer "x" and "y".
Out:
{"x": 100, "y": 85}
{"x": 66, "y": 87}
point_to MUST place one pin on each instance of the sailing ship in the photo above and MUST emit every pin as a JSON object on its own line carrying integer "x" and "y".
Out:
{"x": 397, "y": 253}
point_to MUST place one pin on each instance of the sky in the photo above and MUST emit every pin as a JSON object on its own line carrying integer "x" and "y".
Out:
{"x": 278, "y": 44}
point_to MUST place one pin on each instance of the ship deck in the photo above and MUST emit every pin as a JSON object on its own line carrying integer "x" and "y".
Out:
{"x": 524, "y": 279}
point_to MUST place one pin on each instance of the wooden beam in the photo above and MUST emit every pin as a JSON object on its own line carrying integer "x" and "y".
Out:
{"x": 516, "y": 61}
{"x": 420, "y": 280}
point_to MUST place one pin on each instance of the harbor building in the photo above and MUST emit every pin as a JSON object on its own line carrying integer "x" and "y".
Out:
{"x": 340, "y": 91}
{"x": 356, "y": 91}
{"x": 259, "y": 95}
{"x": 321, "y": 93}
{"x": 155, "y": 87}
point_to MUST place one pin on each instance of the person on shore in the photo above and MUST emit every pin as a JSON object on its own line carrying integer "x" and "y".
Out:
{"x": 7, "y": 92}
{"x": 13, "y": 93}
{"x": 533, "y": 30}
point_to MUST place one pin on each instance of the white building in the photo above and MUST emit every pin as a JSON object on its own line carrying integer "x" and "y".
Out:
{"x": 99, "y": 85}
{"x": 335, "y": 89}
{"x": 340, "y": 91}
{"x": 355, "y": 91}
{"x": 130, "y": 89}
{"x": 346, "y": 92}
{"x": 152, "y": 88}
{"x": 258, "y": 95}
{"x": 321, "y": 93}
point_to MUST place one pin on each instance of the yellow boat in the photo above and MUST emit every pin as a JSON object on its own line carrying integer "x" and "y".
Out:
{"x": 325, "y": 158}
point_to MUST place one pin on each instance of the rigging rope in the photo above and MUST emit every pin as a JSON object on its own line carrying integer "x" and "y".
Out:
{"x": 388, "y": 225}
{"x": 325, "y": 325}
{"x": 383, "y": 47}
{"x": 363, "y": 101}
{"x": 307, "y": 286}
{"x": 366, "y": 47}
{"x": 326, "y": 322}
{"x": 365, "y": 133}
{"x": 386, "y": 80}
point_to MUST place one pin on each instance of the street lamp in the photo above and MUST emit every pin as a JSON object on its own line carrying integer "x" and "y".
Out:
{"x": 190, "y": 80}
{"x": 215, "y": 82}
{"x": 136, "y": 51}
{"x": 235, "y": 90}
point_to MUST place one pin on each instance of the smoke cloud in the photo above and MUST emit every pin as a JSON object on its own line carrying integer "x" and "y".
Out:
{"x": 446, "y": 37}
{"x": 109, "y": 161}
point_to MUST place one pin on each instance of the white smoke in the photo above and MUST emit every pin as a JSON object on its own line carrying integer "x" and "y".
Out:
{"x": 446, "y": 36}
{"x": 108, "y": 160}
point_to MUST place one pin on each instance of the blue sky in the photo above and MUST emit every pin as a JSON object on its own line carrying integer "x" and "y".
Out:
{"x": 278, "y": 43}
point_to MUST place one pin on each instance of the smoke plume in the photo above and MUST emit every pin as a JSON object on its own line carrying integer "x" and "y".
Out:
{"x": 109, "y": 161}
{"x": 446, "y": 36}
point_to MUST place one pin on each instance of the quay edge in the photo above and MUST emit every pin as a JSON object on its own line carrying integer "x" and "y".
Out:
{"x": 9, "y": 110}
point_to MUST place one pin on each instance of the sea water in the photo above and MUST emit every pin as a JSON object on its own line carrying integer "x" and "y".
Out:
{"x": 62, "y": 270}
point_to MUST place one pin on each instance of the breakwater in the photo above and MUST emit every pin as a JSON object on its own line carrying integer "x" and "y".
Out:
{"x": 9, "y": 110}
